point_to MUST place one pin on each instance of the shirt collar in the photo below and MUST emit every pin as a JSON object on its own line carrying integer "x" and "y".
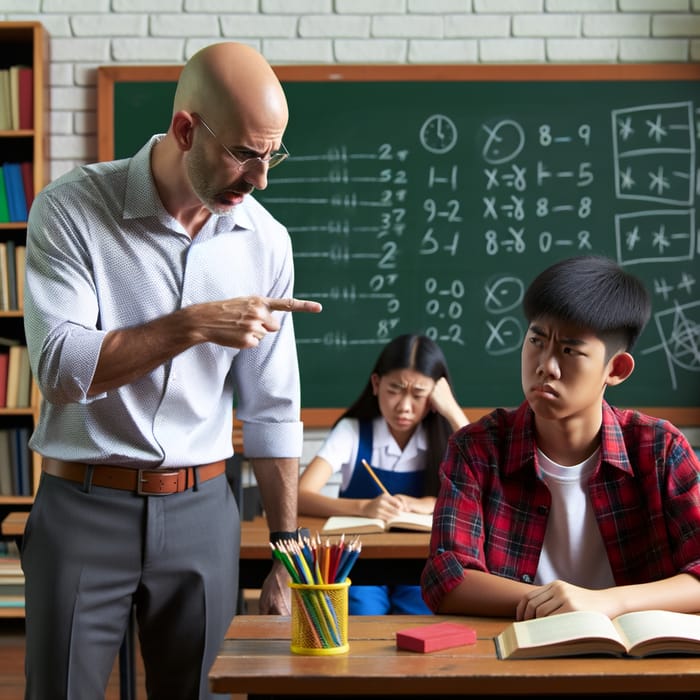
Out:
{"x": 612, "y": 441}
{"x": 522, "y": 448}
{"x": 384, "y": 440}
{"x": 142, "y": 199}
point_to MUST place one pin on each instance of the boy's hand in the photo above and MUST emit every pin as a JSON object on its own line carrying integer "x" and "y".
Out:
{"x": 559, "y": 597}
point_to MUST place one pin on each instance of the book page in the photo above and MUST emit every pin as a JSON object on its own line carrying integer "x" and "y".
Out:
{"x": 556, "y": 629}
{"x": 649, "y": 625}
{"x": 337, "y": 524}
{"x": 413, "y": 521}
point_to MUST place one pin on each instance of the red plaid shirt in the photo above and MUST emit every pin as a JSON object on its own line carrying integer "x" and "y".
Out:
{"x": 491, "y": 512}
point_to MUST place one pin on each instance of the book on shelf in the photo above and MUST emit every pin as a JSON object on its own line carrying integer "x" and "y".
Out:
{"x": 27, "y": 168}
{"x": 19, "y": 449}
{"x": 11, "y": 264}
{"x": 11, "y": 572}
{"x": 14, "y": 186}
{"x": 17, "y": 365}
{"x": 20, "y": 261}
{"x": 5, "y": 103}
{"x": 26, "y": 97}
{"x": 24, "y": 384}
{"x": 4, "y": 362}
{"x": 638, "y": 634}
{"x": 14, "y": 97}
{"x": 12, "y": 596}
{"x": 9, "y": 548}
{"x": 356, "y": 525}
{"x": 4, "y": 279}
{"x": 6, "y": 468}
{"x": 4, "y": 204}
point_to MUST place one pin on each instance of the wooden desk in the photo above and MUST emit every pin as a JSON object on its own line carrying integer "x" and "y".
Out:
{"x": 255, "y": 659}
{"x": 392, "y": 557}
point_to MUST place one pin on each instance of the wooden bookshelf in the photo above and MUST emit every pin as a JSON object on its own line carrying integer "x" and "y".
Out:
{"x": 24, "y": 44}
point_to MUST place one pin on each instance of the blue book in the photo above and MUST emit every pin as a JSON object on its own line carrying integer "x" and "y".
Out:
{"x": 14, "y": 185}
{"x": 20, "y": 457}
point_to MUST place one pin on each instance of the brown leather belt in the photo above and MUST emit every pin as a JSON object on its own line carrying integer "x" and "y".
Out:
{"x": 145, "y": 482}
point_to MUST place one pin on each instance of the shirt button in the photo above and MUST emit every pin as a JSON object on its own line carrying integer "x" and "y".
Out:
{"x": 526, "y": 578}
{"x": 543, "y": 510}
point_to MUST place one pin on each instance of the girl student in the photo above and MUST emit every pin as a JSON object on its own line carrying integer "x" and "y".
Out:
{"x": 399, "y": 424}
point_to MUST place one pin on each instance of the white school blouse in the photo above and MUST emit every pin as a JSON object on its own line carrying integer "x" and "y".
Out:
{"x": 341, "y": 445}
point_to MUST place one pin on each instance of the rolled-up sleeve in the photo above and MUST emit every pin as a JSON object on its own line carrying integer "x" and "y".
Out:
{"x": 457, "y": 536}
{"x": 61, "y": 307}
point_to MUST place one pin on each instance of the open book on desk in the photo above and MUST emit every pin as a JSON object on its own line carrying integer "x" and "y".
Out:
{"x": 638, "y": 634}
{"x": 356, "y": 525}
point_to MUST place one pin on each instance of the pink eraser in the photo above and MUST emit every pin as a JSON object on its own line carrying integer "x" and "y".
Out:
{"x": 441, "y": 635}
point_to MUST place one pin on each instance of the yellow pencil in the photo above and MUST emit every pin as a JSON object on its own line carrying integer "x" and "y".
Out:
{"x": 375, "y": 477}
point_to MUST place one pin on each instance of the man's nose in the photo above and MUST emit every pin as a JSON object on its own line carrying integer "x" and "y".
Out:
{"x": 256, "y": 174}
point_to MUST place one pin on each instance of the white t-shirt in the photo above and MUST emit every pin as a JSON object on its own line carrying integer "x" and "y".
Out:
{"x": 341, "y": 445}
{"x": 573, "y": 549}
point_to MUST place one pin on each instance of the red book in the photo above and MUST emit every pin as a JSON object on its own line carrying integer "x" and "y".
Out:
{"x": 26, "y": 98}
{"x": 4, "y": 357}
{"x": 441, "y": 635}
{"x": 27, "y": 168}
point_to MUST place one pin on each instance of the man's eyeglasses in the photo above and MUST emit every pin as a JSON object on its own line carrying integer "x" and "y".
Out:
{"x": 246, "y": 163}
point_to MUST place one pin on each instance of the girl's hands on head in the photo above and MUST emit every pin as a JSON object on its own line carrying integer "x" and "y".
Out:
{"x": 444, "y": 402}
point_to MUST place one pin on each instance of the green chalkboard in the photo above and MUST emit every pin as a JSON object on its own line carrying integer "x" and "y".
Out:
{"x": 425, "y": 199}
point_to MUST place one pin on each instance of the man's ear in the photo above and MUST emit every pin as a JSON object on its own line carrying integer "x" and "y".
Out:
{"x": 182, "y": 128}
{"x": 620, "y": 367}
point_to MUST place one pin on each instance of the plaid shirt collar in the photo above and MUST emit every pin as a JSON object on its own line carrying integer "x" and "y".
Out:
{"x": 522, "y": 447}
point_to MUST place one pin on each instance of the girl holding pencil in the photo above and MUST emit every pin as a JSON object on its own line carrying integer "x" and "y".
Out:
{"x": 399, "y": 425}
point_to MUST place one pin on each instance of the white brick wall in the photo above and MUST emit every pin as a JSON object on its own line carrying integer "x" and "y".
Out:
{"x": 617, "y": 26}
{"x": 88, "y": 33}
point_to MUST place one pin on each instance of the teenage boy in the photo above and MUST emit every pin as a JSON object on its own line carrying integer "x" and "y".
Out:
{"x": 567, "y": 503}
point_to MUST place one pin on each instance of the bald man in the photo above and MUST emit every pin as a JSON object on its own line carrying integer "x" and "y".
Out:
{"x": 156, "y": 289}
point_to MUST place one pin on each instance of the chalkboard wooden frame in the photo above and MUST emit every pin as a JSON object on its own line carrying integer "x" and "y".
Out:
{"x": 108, "y": 76}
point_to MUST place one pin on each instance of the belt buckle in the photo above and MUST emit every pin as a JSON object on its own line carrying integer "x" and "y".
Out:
{"x": 141, "y": 481}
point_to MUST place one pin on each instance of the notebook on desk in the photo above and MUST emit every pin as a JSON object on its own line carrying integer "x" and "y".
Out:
{"x": 356, "y": 525}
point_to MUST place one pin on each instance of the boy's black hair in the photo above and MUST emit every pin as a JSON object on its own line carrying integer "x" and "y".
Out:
{"x": 595, "y": 293}
{"x": 421, "y": 354}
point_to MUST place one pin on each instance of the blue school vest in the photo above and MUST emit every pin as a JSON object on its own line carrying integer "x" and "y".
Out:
{"x": 363, "y": 486}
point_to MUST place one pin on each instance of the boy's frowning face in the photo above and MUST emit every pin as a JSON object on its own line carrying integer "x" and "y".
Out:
{"x": 564, "y": 370}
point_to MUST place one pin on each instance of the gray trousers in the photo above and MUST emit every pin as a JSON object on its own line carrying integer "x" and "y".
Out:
{"x": 89, "y": 554}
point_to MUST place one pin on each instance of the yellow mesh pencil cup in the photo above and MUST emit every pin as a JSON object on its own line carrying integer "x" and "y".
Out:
{"x": 320, "y": 618}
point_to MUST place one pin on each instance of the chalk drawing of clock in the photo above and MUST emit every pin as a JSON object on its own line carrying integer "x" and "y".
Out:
{"x": 438, "y": 134}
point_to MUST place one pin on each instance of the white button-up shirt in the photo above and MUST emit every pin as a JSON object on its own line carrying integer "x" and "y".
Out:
{"x": 102, "y": 254}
